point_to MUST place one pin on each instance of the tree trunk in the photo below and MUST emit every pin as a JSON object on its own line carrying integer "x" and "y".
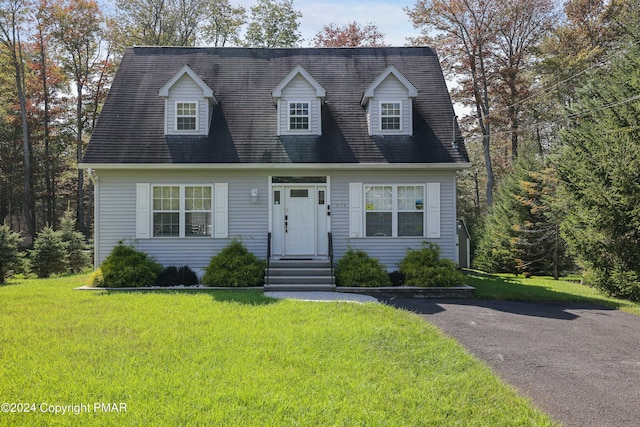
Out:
{"x": 27, "y": 203}
{"x": 79, "y": 149}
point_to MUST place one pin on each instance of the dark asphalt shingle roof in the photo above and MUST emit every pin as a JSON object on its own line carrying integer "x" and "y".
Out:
{"x": 131, "y": 125}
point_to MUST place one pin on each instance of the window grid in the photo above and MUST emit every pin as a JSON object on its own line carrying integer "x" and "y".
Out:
{"x": 186, "y": 115}
{"x": 394, "y": 210}
{"x": 182, "y": 211}
{"x": 390, "y": 115}
{"x": 379, "y": 216}
{"x": 298, "y": 116}
{"x": 166, "y": 211}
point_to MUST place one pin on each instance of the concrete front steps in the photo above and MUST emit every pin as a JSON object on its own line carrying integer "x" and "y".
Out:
{"x": 299, "y": 275}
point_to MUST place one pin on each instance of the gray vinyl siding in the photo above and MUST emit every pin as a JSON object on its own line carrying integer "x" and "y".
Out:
{"x": 299, "y": 90}
{"x": 390, "y": 90}
{"x": 116, "y": 213}
{"x": 186, "y": 90}
{"x": 390, "y": 250}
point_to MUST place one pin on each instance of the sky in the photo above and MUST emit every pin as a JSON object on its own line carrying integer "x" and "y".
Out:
{"x": 388, "y": 15}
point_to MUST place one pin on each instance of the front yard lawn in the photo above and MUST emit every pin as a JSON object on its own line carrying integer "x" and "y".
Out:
{"x": 519, "y": 288}
{"x": 234, "y": 358}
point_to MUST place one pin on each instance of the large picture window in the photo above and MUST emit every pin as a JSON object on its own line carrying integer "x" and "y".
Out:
{"x": 390, "y": 116}
{"x": 182, "y": 211}
{"x": 298, "y": 116}
{"x": 394, "y": 210}
{"x": 186, "y": 115}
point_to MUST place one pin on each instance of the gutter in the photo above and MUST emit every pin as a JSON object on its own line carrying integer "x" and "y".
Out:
{"x": 273, "y": 166}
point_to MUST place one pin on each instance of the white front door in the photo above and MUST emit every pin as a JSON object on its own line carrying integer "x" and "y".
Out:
{"x": 299, "y": 221}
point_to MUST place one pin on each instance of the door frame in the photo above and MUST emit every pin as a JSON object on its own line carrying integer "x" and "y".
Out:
{"x": 276, "y": 215}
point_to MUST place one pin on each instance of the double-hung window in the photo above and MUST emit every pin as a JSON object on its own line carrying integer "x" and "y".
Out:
{"x": 390, "y": 116}
{"x": 186, "y": 116}
{"x": 394, "y": 210}
{"x": 298, "y": 116}
{"x": 182, "y": 211}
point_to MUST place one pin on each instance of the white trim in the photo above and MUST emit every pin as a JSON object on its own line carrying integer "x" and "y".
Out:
{"x": 277, "y": 166}
{"x": 401, "y": 107}
{"x": 277, "y": 92}
{"x": 394, "y": 209}
{"x": 309, "y": 124}
{"x": 206, "y": 90}
{"x": 175, "y": 118}
{"x": 369, "y": 92}
{"x": 181, "y": 210}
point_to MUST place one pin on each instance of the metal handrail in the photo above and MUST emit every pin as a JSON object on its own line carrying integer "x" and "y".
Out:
{"x": 268, "y": 256}
{"x": 330, "y": 236}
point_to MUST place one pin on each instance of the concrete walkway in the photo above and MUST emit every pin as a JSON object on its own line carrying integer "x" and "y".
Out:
{"x": 320, "y": 296}
{"x": 580, "y": 363}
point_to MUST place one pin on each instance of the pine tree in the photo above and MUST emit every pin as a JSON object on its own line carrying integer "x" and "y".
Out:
{"x": 599, "y": 165}
{"x": 77, "y": 254}
{"x": 49, "y": 254}
{"x": 521, "y": 233}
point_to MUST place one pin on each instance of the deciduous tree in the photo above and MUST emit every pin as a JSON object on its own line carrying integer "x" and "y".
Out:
{"x": 273, "y": 24}
{"x": 12, "y": 18}
{"x": 349, "y": 35}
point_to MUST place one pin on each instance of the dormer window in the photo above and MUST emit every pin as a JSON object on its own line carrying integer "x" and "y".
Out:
{"x": 298, "y": 116}
{"x": 299, "y": 98}
{"x": 189, "y": 104}
{"x": 388, "y": 103}
{"x": 390, "y": 115}
{"x": 186, "y": 116}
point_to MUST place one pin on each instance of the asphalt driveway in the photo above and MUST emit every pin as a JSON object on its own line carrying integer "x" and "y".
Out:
{"x": 580, "y": 363}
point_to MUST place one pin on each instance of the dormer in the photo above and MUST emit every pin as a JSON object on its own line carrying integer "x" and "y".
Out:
{"x": 389, "y": 103}
{"x": 299, "y": 99}
{"x": 189, "y": 104}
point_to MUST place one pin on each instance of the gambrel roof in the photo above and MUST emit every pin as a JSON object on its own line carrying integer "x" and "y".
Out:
{"x": 130, "y": 129}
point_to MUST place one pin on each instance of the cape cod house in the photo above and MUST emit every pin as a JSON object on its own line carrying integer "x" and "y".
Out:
{"x": 300, "y": 153}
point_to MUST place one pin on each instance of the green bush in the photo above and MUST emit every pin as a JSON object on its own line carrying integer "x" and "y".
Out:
{"x": 424, "y": 267}
{"x": 96, "y": 279}
{"x": 356, "y": 268}
{"x": 618, "y": 283}
{"x": 126, "y": 267}
{"x": 77, "y": 250}
{"x": 49, "y": 254}
{"x": 174, "y": 276}
{"x": 234, "y": 266}
{"x": 9, "y": 258}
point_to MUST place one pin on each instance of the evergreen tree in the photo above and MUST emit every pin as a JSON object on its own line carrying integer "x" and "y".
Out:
{"x": 9, "y": 258}
{"x": 599, "y": 165}
{"x": 49, "y": 254}
{"x": 77, "y": 254}
{"x": 521, "y": 233}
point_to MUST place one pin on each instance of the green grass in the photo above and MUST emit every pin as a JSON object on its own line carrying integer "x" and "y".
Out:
{"x": 519, "y": 288}
{"x": 236, "y": 358}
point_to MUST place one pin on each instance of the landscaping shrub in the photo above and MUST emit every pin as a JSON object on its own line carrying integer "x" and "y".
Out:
{"x": 356, "y": 268}
{"x": 234, "y": 266}
{"x": 397, "y": 278}
{"x": 9, "y": 258}
{"x": 174, "y": 276}
{"x": 49, "y": 255}
{"x": 126, "y": 267}
{"x": 77, "y": 250}
{"x": 424, "y": 267}
{"x": 95, "y": 279}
